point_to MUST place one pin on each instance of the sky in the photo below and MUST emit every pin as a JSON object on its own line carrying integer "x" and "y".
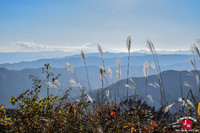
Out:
{"x": 74, "y": 25}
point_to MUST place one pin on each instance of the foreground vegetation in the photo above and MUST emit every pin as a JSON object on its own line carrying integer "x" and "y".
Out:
{"x": 98, "y": 113}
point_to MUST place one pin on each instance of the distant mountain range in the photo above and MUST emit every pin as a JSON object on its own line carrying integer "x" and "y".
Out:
{"x": 14, "y": 82}
{"x": 172, "y": 61}
{"x": 172, "y": 84}
{"x": 14, "y": 77}
{"x": 17, "y": 57}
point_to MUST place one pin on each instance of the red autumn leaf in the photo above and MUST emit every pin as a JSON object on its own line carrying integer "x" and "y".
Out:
{"x": 113, "y": 113}
{"x": 52, "y": 104}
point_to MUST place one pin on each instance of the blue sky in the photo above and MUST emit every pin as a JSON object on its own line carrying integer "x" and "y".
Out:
{"x": 72, "y": 25}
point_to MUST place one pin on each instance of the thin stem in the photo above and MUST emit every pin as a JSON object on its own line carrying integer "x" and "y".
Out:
{"x": 146, "y": 88}
{"x": 88, "y": 79}
{"x": 127, "y": 75}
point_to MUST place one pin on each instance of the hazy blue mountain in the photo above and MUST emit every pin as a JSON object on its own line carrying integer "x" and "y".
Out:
{"x": 172, "y": 85}
{"x": 15, "y": 57}
{"x": 13, "y": 82}
{"x": 76, "y": 61}
{"x": 29, "y": 56}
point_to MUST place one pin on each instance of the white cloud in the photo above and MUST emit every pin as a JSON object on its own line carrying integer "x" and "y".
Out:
{"x": 29, "y": 45}
{"x": 33, "y": 47}
{"x": 90, "y": 47}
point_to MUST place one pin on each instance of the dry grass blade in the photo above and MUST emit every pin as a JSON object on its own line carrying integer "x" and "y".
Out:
{"x": 69, "y": 67}
{"x": 130, "y": 87}
{"x": 188, "y": 85}
{"x": 191, "y": 73}
{"x": 191, "y": 62}
{"x": 155, "y": 85}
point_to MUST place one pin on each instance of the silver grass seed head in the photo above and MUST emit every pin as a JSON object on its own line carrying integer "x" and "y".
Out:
{"x": 195, "y": 47}
{"x": 132, "y": 81}
{"x": 74, "y": 83}
{"x": 109, "y": 72}
{"x": 51, "y": 85}
{"x": 190, "y": 103}
{"x": 100, "y": 51}
{"x": 150, "y": 46}
{"x": 193, "y": 56}
{"x": 145, "y": 69}
{"x": 150, "y": 98}
{"x": 191, "y": 62}
{"x": 166, "y": 109}
{"x": 182, "y": 100}
{"x": 83, "y": 56}
{"x": 57, "y": 82}
{"x": 155, "y": 70}
{"x": 102, "y": 73}
{"x": 128, "y": 43}
{"x": 89, "y": 98}
{"x": 118, "y": 68}
{"x": 69, "y": 67}
{"x": 191, "y": 73}
{"x": 107, "y": 94}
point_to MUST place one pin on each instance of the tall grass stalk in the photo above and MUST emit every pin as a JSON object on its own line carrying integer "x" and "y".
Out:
{"x": 101, "y": 54}
{"x": 118, "y": 77}
{"x": 102, "y": 68}
{"x": 158, "y": 71}
{"x": 83, "y": 57}
{"x": 102, "y": 76}
{"x": 111, "y": 77}
{"x": 181, "y": 91}
{"x": 69, "y": 68}
{"x": 128, "y": 44}
{"x": 145, "y": 70}
{"x": 193, "y": 62}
